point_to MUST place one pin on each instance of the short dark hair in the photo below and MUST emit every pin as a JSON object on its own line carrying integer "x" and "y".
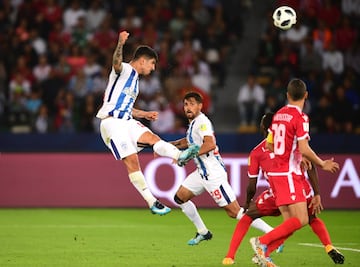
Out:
{"x": 296, "y": 89}
{"x": 146, "y": 51}
{"x": 195, "y": 95}
{"x": 266, "y": 120}
{"x": 265, "y": 123}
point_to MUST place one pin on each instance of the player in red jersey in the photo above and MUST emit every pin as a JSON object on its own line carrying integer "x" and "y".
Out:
{"x": 288, "y": 138}
{"x": 260, "y": 159}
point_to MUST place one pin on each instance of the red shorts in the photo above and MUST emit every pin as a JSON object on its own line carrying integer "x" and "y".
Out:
{"x": 266, "y": 205}
{"x": 288, "y": 189}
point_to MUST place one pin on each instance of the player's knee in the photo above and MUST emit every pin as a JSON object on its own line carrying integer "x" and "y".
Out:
{"x": 178, "y": 200}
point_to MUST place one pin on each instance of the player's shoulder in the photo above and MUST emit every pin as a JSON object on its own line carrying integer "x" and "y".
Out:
{"x": 203, "y": 124}
{"x": 202, "y": 119}
{"x": 258, "y": 149}
{"x": 290, "y": 112}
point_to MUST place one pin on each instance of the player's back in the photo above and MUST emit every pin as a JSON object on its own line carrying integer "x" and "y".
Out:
{"x": 260, "y": 158}
{"x": 288, "y": 126}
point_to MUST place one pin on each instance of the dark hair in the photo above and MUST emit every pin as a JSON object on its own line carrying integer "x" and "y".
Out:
{"x": 146, "y": 51}
{"x": 296, "y": 89}
{"x": 266, "y": 120}
{"x": 195, "y": 95}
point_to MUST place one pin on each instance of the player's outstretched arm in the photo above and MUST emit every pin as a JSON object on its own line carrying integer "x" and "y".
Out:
{"x": 118, "y": 53}
{"x": 142, "y": 114}
{"x": 180, "y": 143}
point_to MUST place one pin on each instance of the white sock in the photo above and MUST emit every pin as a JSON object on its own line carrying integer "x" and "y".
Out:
{"x": 261, "y": 225}
{"x": 166, "y": 149}
{"x": 192, "y": 213}
{"x": 240, "y": 214}
{"x": 138, "y": 180}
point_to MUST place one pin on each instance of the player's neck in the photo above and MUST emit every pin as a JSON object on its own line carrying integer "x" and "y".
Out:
{"x": 299, "y": 104}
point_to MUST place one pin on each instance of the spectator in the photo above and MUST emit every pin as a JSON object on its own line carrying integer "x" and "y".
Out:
{"x": 200, "y": 13}
{"x": 310, "y": 59}
{"x": 62, "y": 68}
{"x": 351, "y": 7}
{"x": 76, "y": 58}
{"x": 296, "y": 34}
{"x": 131, "y": 21}
{"x": 51, "y": 11}
{"x": 42, "y": 120}
{"x": 250, "y": 100}
{"x": 322, "y": 37}
{"x": 201, "y": 74}
{"x": 91, "y": 67}
{"x": 38, "y": 42}
{"x": 166, "y": 117}
{"x": 65, "y": 106}
{"x": 87, "y": 114}
{"x": 33, "y": 103}
{"x": 188, "y": 86}
{"x": 178, "y": 23}
{"x": 71, "y": 15}
{"x": 352, "y": 57}
{"x": 343, "y": 111}
{"x": 323, "y": 118}
{"x": 42, "y": 70}
{"x": 80, "y": 85}
{"x": 329, "y": 13}
{"x": 104, "y": 37}
{"x": 95, "y": 15}
{"x": 269, "y": 47}
{"x": 80, "y": 34}
{"x": 149, "y": 87}
{"x": 59, "y": 35}
{"x": 19, "y": 87}
{"x": 100, "y": 81}
{"x": 345, "y": 35}
{"x": 333, "y": 59}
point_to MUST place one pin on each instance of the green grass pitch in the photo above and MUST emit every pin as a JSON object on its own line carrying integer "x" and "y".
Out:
{"x": 135, "y": 237}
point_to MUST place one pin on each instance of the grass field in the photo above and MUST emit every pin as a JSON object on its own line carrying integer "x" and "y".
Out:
{"x": 135, "y": 237}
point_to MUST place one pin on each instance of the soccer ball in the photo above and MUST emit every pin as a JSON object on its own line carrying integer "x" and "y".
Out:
{"x": 284, "y": 17}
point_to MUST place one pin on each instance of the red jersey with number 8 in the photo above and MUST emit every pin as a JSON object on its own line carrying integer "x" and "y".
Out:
{"x": 289, "y": 125}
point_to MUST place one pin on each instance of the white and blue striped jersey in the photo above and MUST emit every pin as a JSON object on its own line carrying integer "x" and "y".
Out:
{"x": 211, "y": 163}
{"x": 120, "y": 94}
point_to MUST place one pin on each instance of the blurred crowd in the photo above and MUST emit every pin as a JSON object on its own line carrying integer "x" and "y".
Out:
{"x": 323, "y": 49}
{"x": 55, "y": 57}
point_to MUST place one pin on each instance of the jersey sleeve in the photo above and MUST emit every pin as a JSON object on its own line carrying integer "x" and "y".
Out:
{"x": 253, "y": 165}
{"x": 302, "y": 127}
{"x": 205, "y": 128}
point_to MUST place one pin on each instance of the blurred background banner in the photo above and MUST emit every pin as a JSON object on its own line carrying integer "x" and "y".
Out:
{"x": 97, "y": 180}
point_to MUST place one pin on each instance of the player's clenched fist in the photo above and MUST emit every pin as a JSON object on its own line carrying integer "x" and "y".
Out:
{"x": 123, "y": 36}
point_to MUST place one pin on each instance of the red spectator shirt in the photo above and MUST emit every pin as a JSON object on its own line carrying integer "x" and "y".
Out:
{"x": 289, "y": 125}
